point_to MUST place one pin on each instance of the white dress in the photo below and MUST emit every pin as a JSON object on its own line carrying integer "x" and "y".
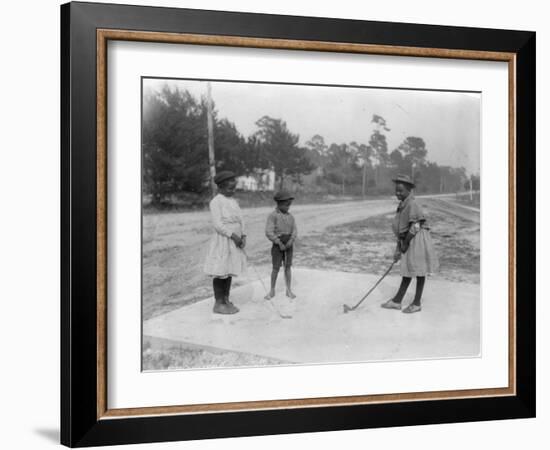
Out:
{"x": 223, "y": 258}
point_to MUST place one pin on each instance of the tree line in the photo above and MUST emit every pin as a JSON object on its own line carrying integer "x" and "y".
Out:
{"x": 175, "y": 153}
{"x": 175, "y": 146}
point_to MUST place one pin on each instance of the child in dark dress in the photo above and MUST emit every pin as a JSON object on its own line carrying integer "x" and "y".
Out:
{"x": 281, "y": 230}
{"x": 414, "y": 245}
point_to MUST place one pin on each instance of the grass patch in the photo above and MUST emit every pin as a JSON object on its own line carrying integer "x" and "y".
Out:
{"x": 180, "y": 356}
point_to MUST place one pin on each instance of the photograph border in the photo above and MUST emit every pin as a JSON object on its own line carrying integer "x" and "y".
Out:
{"x": 86, "y": 29}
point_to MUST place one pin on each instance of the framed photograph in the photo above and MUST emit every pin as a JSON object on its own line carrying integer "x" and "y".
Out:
{"x": 278, "y": 224}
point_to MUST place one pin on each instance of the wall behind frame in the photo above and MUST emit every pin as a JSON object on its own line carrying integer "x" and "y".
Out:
{"x": 29, "y": 265}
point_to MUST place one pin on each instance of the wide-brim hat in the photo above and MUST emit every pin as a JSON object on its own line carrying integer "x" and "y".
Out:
{"x": 281, "y": 196}
{"x": 224, "y": 175}
{"x": 405, "y": 179}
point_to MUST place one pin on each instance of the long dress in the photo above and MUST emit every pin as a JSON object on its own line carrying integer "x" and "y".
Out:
{"x": 223, "y": 257}
{"x": 420, "y": 259}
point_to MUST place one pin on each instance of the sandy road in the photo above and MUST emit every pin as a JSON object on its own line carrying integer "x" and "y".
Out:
{"x": 450, "y": 207}
{"x": 174, "y": 244}
{"x": 194, "y": 228}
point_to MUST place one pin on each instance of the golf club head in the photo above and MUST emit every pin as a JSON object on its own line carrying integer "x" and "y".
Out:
{"x": 347, "y": 309}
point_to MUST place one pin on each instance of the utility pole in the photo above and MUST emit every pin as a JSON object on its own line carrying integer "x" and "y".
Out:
{"x": 211, "y": 158}
{"x": 364, "y": 181}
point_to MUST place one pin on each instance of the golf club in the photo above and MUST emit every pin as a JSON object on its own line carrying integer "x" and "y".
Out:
{"x": 274, "y": 306}
{"x": 352, "y": 308}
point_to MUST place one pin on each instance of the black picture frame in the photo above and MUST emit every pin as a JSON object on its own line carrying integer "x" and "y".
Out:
{"x": 80, "y": 424}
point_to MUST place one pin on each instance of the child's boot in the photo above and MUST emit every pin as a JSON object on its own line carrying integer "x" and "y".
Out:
{"x": 221, "y": 307}
{"x": 227, "y": 289}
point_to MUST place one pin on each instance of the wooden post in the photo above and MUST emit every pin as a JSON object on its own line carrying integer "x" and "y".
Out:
{"x": 364, "y": 181}
{"x": 343, "y": 184}
{"x": 211, "y": 157}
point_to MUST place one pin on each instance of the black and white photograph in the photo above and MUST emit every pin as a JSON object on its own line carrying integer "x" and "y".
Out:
{"x": 289, "y": 224}
{"x": 275, "y": 225}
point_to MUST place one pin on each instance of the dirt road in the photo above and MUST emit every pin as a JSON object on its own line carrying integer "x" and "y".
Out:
{"x": 447, "y": 205}
{"x": 174, "y": 244}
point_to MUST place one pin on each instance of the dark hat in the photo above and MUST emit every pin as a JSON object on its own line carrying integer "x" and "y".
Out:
{"x": 405, "y": 179}
{"x": 282, "y": 195}
{"x": 224, "y": 175}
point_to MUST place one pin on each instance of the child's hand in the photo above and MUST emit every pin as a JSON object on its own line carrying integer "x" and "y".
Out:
{"x": 282, "y": 246}
{"x": 237, "y": 240}
{"x": 396, "y": 256}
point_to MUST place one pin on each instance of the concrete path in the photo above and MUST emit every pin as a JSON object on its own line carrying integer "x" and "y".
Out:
{"x": 320, "y": 332}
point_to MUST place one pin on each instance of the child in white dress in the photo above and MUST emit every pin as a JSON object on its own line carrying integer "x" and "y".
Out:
{"x": 225, "y": 257}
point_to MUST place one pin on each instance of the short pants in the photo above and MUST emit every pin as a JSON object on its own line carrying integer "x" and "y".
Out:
{"x": 279, "y": 257}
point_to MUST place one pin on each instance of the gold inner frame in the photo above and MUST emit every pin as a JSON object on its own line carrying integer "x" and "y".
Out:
{"x": 104, "y": 35}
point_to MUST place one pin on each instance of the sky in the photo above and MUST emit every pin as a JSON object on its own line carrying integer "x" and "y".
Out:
{"x": 449, "y": 122}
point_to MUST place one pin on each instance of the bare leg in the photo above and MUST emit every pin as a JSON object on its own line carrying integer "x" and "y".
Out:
{"x": 288, "y": 281}
{"x": 274, "y": 274}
